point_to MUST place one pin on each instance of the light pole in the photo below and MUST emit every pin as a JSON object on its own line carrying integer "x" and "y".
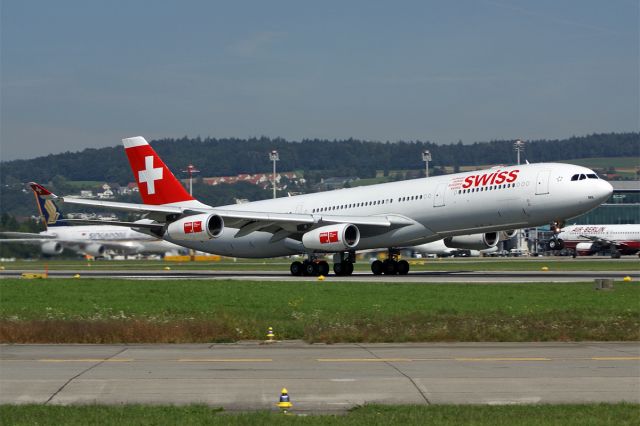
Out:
{"x": 273, "y": 156}
{"x": 191, "y": 170}
{"x": 518, "y": 146}
{"x": 426, "y": 157}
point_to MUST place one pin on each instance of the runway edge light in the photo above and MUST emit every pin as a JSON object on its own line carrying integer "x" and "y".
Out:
{"x": 270, "y": 335}
{"x": 285, "y": 402}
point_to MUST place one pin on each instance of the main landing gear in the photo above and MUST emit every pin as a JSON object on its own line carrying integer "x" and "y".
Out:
{"x": 312, "y": 267}
{"x": 391, "y": 265}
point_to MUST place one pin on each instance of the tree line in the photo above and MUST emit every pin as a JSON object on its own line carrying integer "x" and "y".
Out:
{"x": 222, "y": 157}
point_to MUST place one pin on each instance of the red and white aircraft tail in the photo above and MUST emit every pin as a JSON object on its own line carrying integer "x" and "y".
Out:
{"x": 156, "y": 183}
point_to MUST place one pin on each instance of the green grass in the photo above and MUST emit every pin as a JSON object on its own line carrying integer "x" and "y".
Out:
{"x": 578, "y": 414}
{"x": 281, "y": 264}
{"x": 111, "y": 310}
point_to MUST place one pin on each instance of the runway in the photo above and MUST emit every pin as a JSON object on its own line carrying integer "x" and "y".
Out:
{"x": 462, "y": 275}
{"x": 321, "y": 378}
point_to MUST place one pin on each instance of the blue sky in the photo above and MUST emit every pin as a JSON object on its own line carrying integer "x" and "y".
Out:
{"x": 78, "y": 74}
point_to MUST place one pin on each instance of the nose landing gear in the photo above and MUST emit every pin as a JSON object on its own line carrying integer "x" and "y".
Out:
{"x": 556, "y": 243}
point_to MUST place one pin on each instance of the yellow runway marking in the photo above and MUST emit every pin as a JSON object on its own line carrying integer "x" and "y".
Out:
{"x": 87, "y": 360}
{"x": 502, "y": 359}
{"x": 364, "y": 360}
{"x": 616, "y": 358}
{"x": 225, "y": 360}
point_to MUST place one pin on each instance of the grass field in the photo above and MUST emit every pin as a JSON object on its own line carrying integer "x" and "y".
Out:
{"x": 538, "y": 415}
{"x": 281, "y": 264}
{"x": 111, "y": 310}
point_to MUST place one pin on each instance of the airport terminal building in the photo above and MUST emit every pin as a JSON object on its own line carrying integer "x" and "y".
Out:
{"x": 623, "y": 207}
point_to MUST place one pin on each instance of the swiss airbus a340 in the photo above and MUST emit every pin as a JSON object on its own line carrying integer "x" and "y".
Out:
{"x": 389, "y": 215}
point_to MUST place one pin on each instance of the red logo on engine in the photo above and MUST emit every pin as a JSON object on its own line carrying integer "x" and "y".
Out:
{"x": 192, "y": 227}
{"x": 495, "y": 178}
{"x": 328, "y": 237}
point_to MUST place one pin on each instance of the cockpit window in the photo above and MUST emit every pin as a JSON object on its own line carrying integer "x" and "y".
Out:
{"x": 575, "y": 177}
{"x": 582, "y": 177}
{"x": 592, "y": 176}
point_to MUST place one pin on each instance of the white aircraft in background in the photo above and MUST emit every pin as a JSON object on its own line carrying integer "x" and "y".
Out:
{"x": 585, "y": 240}
{"x": 92, "y": 240}
{"x": 473, "y": 245}
{"x": 394, "y": 214}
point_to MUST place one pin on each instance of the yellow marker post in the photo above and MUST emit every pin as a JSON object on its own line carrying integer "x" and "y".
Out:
{"x": 627, "y": 279}
{"x": 285, "y": 402}
{"x": 320, "y": 277}
{"x": 76, "y": 276}
{"x": 545, "y": 268}
{"x": 270, "y": 335}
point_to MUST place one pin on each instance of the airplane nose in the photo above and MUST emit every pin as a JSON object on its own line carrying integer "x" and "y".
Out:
{"x": 603, "y": 190}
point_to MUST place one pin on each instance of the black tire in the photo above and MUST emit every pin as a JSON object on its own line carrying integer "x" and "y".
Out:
{"x": 403, "y": 267}
{"x": 323, "y": 268}
{"x": 615, "y": 254}
{"x": 376, "y": 267}
{"x": 338, "y": 268}
{"x": 296, "y": 269}
{"x": 556, "y": 244}
{"x": 311, "y": 269}
{"x": 348, "y": 268}
{"x": 390, "y": 267}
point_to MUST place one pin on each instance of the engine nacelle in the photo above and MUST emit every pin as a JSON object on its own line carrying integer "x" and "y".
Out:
{"x": 200, "y": 227}
{"x": 506, "y": 235}
{"x": 473, "y": 241}
{"x": 584, "y": 249}
{"x": 331, "y": 238}
{"x": 51, "y": 248}
{"x": 94, "y": 249}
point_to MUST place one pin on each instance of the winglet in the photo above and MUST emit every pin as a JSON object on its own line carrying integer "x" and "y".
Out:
{"x": 42, "y": 191}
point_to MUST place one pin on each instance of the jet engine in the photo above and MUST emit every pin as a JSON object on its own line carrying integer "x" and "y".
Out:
{"x": 473, "y": 241}
{"x": 94, "y": 249}
{"x": 584, "y": 249}
{"x": 331, "y": 238}
{"x": 51, "y": 248}
{"x": 198, "y": 227}
{"x": 505, "y": 235}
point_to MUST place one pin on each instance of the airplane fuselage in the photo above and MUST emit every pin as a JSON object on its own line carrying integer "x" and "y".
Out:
{"x": 499, "y": 198}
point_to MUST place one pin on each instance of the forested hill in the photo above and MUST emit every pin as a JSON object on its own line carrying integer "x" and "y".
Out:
{"x": 220, "y": 157}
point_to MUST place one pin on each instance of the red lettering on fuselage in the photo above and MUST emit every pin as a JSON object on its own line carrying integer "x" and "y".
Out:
{"x": 495, "y": 178}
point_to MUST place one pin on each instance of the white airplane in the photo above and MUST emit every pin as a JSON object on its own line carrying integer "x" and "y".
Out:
{"x": 474, "y": 245}
{"x": 93, "y": 240}
{"x": 585, "y": 240}
{"x": 394, "y": 214}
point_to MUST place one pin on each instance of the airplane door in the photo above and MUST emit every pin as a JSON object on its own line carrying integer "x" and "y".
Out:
{"x": 438, "y": 198}
{"x": 542, "y": 182}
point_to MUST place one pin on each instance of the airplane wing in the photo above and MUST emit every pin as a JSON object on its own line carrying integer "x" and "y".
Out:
{"x": 25, "y": 236}
{"x": 246, "y": 221}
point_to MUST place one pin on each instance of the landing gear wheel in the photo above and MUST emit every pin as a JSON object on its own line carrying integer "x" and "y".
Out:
{"x": 310, "y": 269}
{"x": 377, "y": 267}
{"x": 615, "y": 254}
{"x": 348, "y": 268}
{"x": 296, "y": 269}
{"x": 556, "y": 244}
{"x": 343, "y": 268}
{"x": 323, "y": 268}
{"x": 390, "y": 267}
{"x": 403, "y": 267}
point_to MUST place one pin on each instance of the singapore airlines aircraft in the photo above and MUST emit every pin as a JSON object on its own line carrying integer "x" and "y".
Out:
{"x": 92, "y": 240}
{"x": 391, "y": 215}
{"x": 585, "y": 240}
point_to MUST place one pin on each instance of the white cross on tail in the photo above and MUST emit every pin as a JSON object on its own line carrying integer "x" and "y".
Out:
{"x": 150, "y": 175}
